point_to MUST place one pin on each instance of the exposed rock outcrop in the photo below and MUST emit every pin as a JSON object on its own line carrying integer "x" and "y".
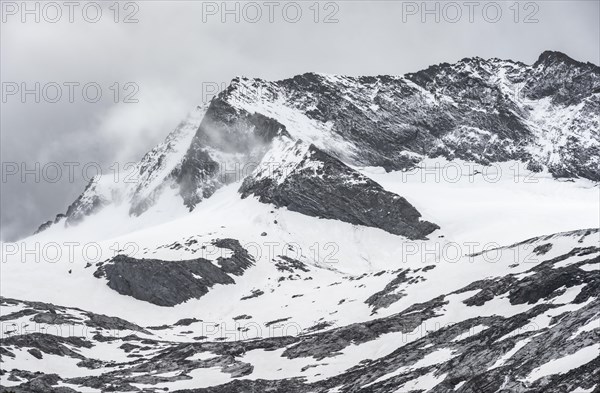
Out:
{"x": 167, "y": 283}
{"x": 303, "y": 178}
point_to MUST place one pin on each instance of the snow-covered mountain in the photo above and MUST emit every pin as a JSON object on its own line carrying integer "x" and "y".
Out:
{"x": 332, "y": 234}
{"x": 546, "y": 116}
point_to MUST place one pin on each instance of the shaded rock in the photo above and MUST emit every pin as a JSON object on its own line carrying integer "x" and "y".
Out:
{"x": 167, "y": 283}
{"x": 309, "y": 181}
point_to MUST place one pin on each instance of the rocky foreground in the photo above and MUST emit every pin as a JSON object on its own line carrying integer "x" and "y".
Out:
{"x": 534, "y": 330}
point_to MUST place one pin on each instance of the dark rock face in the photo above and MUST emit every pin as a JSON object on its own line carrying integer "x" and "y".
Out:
{"x": 227, "y": 130}
{"x": 167, "y": 283}
{"x": 564, "y": 80}
{"x": 43, "y": 227}
{"x": 388, "y": 295}
{"x": 112, "y": 323}
{"x": 239, "y": 261}
{"x": 48, "y": 343}
{"x": 477, "y": 110}
{"x": 322, "y": 186}
{"x": 197, "y": 176}
{"x": 186, "y": 321}
{"x": 234, "y": 130}
{"x": 38, "y": 383}
{"x": 86, "y": 204}
{"x": 45, "y": 313}
{"x": 532, "y": 289}
{"x": 290, "y": 265}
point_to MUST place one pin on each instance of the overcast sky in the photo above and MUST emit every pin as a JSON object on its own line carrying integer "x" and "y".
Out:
{"x": 176, "y": 52}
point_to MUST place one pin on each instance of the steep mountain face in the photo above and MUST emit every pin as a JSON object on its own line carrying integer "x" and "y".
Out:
{"x": 546, "y": 115}
{"x": 563, "y": 79}
{"x": 478, "y": 110}
{"x": 289, "y": 238}
{"x": 225, "y": 141}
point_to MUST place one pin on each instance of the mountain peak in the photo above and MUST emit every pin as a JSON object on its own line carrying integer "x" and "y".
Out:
{"x": 468, "y": 110}
{"x": 550, "y": 57}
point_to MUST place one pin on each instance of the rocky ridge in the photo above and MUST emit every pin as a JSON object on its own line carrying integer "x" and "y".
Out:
{"x": 484, "y": 111}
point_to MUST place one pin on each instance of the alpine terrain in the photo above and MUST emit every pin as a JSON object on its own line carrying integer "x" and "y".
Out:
{"x": 431, "y": 232}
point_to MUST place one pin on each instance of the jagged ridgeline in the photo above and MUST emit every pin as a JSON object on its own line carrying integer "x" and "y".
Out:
{"x": 546, "y": 115}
